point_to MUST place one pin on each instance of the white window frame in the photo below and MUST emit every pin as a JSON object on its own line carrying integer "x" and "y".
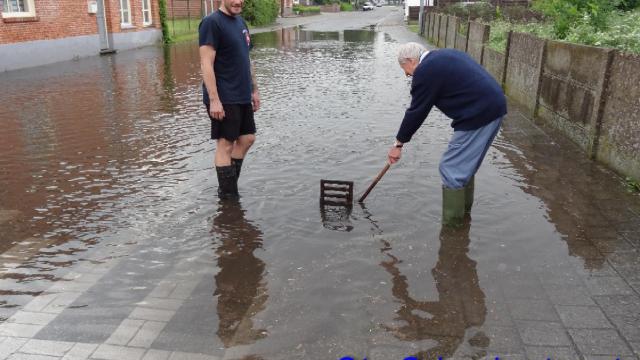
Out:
{"x": 146, "y": 12}
{"x": 31, "y": 10}
{"x": 125, "y": 11}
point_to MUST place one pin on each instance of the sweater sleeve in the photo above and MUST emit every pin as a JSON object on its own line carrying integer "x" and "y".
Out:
{"x": 424, "y": 91}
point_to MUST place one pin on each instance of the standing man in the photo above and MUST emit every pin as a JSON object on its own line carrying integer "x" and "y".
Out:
{"x": 458, "y": 86}
{"x": 230, "y": 92}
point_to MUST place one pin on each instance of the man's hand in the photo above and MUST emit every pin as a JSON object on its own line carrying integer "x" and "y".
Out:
{"x": 394, "y": 154}
{"x": 255, "y": 100}
{"x": 216, "y": 110}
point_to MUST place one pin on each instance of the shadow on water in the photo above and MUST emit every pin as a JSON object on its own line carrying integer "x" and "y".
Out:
{"x": 240, "y": 285}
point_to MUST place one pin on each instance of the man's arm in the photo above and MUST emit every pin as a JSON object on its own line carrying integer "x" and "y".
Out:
{"x": 423, "y": 97}
{"x": 255, "y": 94}
{"x": 207, "y": 58}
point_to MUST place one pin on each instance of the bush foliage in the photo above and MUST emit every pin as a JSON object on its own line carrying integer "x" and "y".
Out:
{"x": 260, "y": 12}
{"x": 607, "y": 23}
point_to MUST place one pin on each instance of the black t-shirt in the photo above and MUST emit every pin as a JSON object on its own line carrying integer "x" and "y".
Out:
{"x": 229, "y": 36}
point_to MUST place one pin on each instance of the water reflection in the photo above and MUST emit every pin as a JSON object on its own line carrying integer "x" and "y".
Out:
{"x": 584, "y": 206}
{"x": 288, "y": 38}
{"x": 461, "y": 302}
{"x": 336, "y": 218}
{"x": 240, "y": 284}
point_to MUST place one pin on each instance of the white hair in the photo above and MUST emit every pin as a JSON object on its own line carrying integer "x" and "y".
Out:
{"x": 410, "y": 50}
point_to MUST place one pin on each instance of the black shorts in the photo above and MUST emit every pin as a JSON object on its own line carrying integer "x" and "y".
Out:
{"x": 238, "y": 120}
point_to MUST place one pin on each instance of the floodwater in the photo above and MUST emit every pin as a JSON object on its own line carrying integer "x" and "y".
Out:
{"x": 106, "y": 164}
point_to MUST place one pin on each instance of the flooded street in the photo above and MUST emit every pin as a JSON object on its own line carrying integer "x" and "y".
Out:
{"x": 114, "y": 245}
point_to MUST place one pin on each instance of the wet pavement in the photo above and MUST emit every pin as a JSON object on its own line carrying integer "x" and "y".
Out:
{"x": 114, "y": 246}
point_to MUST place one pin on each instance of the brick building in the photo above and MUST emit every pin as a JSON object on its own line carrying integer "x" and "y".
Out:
{"x": 38, "y": 32}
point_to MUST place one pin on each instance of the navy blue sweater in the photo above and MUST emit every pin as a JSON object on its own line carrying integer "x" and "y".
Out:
{"x": 458, "y": 86}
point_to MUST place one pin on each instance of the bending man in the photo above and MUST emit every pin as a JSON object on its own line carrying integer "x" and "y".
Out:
{"x": 453, "y": 82}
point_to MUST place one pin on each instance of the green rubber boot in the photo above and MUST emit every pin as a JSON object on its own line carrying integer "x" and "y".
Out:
{"x": 453, "y": 206}
{"x": 468, "y": 195}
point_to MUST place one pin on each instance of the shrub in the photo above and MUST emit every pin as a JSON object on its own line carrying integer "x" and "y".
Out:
{"x": 260, "y": 12}
{"x": 300, "y": 9}
{"x": 345, "y": 6}
{"x": 623, "y": 32}
{"x": 567, "y": 13}
{"x": 479, "y": 10}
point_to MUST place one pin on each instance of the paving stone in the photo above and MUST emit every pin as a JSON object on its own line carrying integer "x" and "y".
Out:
{"x": 531, "y": 290}
{"x": 19, "y": 330}
{"x": 164, "y": 289}
{"x": 504, "y": 340}
{"x": 113, "y": 352}
{"x": 183, "y": 290}
{"x": 540, "y": 333}
{"x": 40, "y": 302}
{"x": 46, "y": 347}
{"x": 498, "y": 315}
{"x": 80, "y": 351}
{"x": 568, "y": 295}
{"x": 157, "y": 355}
{"x": 159, "y": 303}
{"x": 152, "y": 314}
{"x": 61, "y": 302}
{"x": 631, "y": 273}
{"x": 10, "y": 345}
{"x": 607, "y": 286}
{"x": 599, "y": 342}
{"x": 583, "y": 317}
{"x": 553, "y": 353}
{"x": 33, "y": 318}
{"x": 125, "y": 332}
{"x": 618, "y": 305}
{"x": 532, "y": 310}
{"x": 629, "y": 326}
{"x": 177, "y": 355}
{"x": 147, "y": 334}
{"x": 31, "y": 357}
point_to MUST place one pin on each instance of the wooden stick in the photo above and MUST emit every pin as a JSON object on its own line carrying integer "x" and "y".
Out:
{"x": 375, "y": 181}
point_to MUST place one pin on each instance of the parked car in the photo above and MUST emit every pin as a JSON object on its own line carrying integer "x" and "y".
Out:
{"x": 367, "y": 6}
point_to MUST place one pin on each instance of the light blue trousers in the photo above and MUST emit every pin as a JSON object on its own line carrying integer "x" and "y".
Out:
{"x": 465, "y": 153}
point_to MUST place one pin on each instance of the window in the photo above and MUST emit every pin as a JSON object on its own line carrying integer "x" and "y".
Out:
{"x": 125, "y": 12}
{"x": 146, "y": 12}
{"x": 18, "y": 8}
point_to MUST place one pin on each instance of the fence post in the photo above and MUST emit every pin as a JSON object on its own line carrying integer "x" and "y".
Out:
{"x": 603, "y": 99}
{"x": 503, "y": 81}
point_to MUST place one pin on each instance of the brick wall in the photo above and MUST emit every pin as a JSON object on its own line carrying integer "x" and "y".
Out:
{"x": 57, "y": 19}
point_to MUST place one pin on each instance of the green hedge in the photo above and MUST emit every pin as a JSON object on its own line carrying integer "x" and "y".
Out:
{"x": 344, "y": 6}
{"x": 300, "y": 9}
{"x": 260, "y": 12}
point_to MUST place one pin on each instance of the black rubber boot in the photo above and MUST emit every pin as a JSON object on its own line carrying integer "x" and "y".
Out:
{"x": 238, "y": 164}
{"x": 453, "y": 202}
{"x": 227, "y": 182}
{"x": 468, "y": 195}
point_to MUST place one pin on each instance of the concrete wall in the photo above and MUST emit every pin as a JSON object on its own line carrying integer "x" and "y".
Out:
{"x": 451, "y": 32}
{"x": 590, "y": 94}
{"x": 478, "y": 35}
{"x": 619, "y": 142}
{"x": 494, "y": 62}
{"x": 523, "y": 69}
{"x": 571, "y": 86}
